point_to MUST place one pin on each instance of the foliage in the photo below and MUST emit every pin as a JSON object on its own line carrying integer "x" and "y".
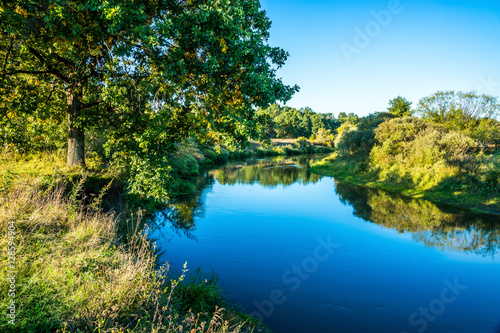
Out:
{"x": 287, "y": 123}
{"x": 359, "y": 139}
{"x": 391, "y": 135}
{"x": 413, "y": 142}
{"x": 324, "y": 136}
{"x": 344, "y": 140}
{"x": 147, "y": 74}
{"x": 466, "y": 112}
{"x": 302, "y": 143}
{"x": 400, "y": 107}
{"x": 350, "y": 118}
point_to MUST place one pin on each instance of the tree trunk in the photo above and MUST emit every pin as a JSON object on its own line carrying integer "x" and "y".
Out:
{"x": 76, "y": 139}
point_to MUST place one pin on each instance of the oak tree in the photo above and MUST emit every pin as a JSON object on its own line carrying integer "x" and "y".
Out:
{"x": 153, "y": 71}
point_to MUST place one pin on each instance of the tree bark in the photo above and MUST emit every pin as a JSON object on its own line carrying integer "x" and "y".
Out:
{"x": 76, "y": 138}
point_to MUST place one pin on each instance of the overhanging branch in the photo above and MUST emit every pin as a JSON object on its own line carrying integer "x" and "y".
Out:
{"x": 51, "y": 70}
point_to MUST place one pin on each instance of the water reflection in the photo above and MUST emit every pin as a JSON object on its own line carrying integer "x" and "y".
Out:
{"x": 433, "y": 224}
{"x": 180, "y": 215}
{"x": 268, "y": 172}
{"x": 267, "y": 224}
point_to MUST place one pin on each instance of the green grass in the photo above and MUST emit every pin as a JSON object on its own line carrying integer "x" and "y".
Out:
{"x": 82, "y": 268}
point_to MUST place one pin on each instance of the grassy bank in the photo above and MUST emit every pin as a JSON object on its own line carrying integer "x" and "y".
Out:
{"x": 439, "y": 182}
{"x": 82, "y": 263}
{"x": 418, "y": 158}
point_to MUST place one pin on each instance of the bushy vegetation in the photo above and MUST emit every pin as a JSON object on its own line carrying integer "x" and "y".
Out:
{"x": 441, "y": 156}
{"x": 357, "y": 139}
{"x": 466, "y": 112}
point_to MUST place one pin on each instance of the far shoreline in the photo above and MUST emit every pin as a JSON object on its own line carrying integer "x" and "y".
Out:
{"x": 324, "y": 168}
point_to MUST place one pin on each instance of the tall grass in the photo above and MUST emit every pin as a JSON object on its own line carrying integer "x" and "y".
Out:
{"x": 76, "y": 272}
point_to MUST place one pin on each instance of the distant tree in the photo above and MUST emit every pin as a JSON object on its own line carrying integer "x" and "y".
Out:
{"x": 289, "y": 123}
{"x": 451, "y": 106}
{"x": 324, "y": 136}
{"x": 466, "y": 112}
{"x": 342, "y": 117}
{"x": 274, "y": 110}
{"x": 400, "y": 107}
{"x": 266, "y": 124}
{"x": 351, "y": 118}
{"x": 306, "y": 125}
{"x": 329, "y": 121}
{"x": 317, "y": 123}
{"x": 358, "y": 137}
{"x": 371, "y": 121}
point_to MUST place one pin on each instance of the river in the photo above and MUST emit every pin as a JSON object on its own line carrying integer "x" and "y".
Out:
{"x": 307, "y": 253}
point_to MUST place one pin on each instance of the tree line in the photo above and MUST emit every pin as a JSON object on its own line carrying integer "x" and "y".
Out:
{"x": 286, "y": 122}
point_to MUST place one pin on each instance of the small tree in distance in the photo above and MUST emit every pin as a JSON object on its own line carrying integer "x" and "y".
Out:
{"x": 400, "y": 107}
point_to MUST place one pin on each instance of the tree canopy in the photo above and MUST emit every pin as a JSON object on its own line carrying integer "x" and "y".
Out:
{"x": 287, "y": 122}
{"x": 400, "y": 107}
{"x": 148, "y": 73}
{"x": 467, "y": 112}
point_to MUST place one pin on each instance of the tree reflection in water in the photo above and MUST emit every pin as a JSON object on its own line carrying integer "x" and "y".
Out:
{"x": 180, "y": 215}
{"x": 268, "y": 173}
{"x": 435, "y": 225}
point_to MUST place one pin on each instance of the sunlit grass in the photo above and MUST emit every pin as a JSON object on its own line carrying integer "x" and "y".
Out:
{"x": 78, "y": 271}
{"x": 439, "y": 182}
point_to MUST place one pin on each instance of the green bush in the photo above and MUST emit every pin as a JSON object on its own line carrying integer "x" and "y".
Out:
{"x": 352, "y": 141}
{"x": 392, "y": 134}
{"x": 302, "y": 143}
{"x": 184, "y": 165}
{"x": 416, "y": 142}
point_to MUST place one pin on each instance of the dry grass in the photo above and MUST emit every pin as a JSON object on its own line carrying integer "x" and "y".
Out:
{"x": 77, "y": 273}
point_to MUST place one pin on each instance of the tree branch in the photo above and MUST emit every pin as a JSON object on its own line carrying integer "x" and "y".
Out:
{"x": 65, "y": 61}
{"x": 51, "y": 70}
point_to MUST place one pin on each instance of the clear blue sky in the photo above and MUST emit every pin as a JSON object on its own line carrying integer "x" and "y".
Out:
{"x": 419, "y": 48}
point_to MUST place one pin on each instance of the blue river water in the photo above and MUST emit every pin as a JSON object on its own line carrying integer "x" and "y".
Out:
{"x": 307, "y": 253}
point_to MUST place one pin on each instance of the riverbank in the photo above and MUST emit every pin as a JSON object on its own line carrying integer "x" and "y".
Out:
{"x": 80, "y": 261}
{"x": 191, "y": 157}
{"x": 433, "y": 183}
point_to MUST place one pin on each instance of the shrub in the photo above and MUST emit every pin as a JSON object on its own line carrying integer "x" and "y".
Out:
{"x": 325, "y": 136}
{"x": 393, "y": 133}
{"x": 352, "y": 141}
{"x": 303, "y": 144}
{"x": 184, "y": 165}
